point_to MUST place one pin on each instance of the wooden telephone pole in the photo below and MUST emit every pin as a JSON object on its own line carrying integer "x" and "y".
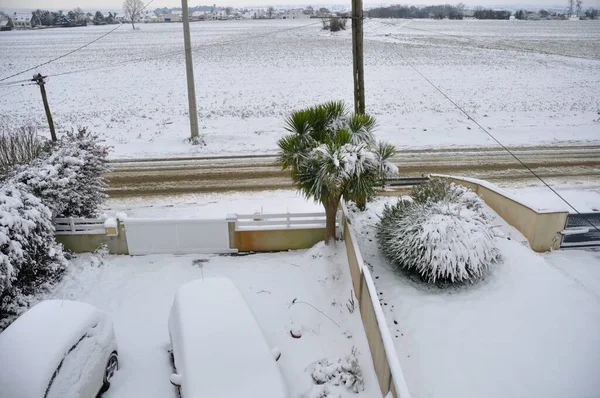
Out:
{"x": 189, "y": 68}
{"x": 39, "y": 80}
{"x": 357, "y": 56}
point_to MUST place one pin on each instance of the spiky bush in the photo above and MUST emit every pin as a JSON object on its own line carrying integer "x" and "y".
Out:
{"x": 438, "y": 189}
{"x": 443, "y": 234}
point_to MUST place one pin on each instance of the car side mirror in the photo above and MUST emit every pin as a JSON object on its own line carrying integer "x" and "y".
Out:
{"x": 176, "y": 379}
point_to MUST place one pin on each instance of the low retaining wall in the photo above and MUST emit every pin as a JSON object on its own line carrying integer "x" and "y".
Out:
{"x": 385, "y": 359}
{"x": 542, "y": 229}
{"x": 87, "y": 243}
{"x": 274, "y": 240}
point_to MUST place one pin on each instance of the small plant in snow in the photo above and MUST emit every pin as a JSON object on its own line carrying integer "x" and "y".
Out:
{"x": 351, "y": 305}
{"x": 341, "y": 372}
{"x": 443, "y": 234}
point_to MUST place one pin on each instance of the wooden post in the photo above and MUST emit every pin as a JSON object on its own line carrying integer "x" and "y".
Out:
{"x": 39, "y": 80}
{"x": 357, "y": 56}
{"x": 189, "y": 68}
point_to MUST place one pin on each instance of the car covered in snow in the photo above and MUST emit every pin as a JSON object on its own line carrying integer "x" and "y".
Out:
{"x": 58, "y": 349}
{"x": 218, "y": 347}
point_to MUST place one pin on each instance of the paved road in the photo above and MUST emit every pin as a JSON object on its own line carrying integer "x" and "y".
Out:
{"x": 143, "y": 177}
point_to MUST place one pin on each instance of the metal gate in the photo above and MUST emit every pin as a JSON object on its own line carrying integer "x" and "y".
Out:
{"x": 177, "y": 236}
{"x": 578, "y": 231}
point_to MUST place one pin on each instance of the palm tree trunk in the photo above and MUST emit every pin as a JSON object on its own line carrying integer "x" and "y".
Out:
{"x": 361, "y": 202}
{"x": 331, "y": 206}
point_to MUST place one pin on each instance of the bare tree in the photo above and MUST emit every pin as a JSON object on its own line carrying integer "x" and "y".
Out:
{"x": 270, "y": 12}
{"x": 570, "y": 8}
{"x": 578, "y": 4}
{"x": 133, "y": 8}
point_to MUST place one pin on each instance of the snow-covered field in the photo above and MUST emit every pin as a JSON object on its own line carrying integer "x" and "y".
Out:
{"x": 529, "y": 82}
{"x": 213, "y": 205}
{"x": 137, "y": 293}
{"x": 529, "y": 329}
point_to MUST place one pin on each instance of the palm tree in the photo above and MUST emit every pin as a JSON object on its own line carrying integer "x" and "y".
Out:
{"x": 331, "y": 154}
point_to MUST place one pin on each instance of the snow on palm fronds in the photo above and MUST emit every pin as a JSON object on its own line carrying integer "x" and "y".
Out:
{"x": 442, "y": 238}
{"x": 331, "y": 154}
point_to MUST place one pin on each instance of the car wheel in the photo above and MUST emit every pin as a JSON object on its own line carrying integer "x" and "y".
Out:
{"x": 112, "y": 365}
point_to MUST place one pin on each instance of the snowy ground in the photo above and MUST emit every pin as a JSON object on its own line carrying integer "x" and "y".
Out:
{"x": 530, "y": 329}
{"x": 528, "y": 82}
{"x": 584, "y": 199}
{"x": 213, "y": 205}
{"x": 138, "y": 291}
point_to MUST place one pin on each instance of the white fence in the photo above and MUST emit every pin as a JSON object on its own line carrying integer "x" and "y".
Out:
{"x": 252, "y": 222}
{"x": 79, "y": 226}
{"x": 182, "y": 236}
{"x": 177, "y": 236}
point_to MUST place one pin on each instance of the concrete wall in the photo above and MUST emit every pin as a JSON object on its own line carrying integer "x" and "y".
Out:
{"x": 542, "y": 229}
{"x": 383, "y": 353}
{"x": 90, "y": 243}
{"x": 274, "y": 240}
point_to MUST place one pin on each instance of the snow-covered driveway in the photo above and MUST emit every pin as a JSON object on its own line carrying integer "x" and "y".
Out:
{"x": 530, "y": 329}
{"x": 138, "y": 291}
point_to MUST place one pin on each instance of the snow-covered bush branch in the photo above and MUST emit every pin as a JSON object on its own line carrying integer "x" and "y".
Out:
{"x": 443, "y": 234}
{"x": 70, "y": 180}
{"x": 30, "y": 258}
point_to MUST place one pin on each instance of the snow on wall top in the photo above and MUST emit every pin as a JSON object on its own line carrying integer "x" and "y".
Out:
{"x": 218, "y": 346}
{"x": 509, "y": 195}
{"x": 32, "y": 347}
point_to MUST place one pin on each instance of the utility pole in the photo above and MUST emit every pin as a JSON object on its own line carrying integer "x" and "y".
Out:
{"x": 189, "y": 68}
{"x": 357, "y": 56}
{"x": 39, "y": 80}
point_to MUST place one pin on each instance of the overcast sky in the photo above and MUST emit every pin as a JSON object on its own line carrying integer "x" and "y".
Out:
{"x": 116, "y": 4}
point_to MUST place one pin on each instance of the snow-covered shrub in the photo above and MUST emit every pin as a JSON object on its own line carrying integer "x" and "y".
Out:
{"x": 18, "y": 147}
{"x": 70, "y": 180}
{"x": 343, "y": 371}
{"x": 30, "y": 258}
{"x": 441, "y": 241}
{"x": 438, "y": 189}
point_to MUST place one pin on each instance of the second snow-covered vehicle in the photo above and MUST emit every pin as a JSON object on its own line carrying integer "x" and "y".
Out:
{"x": 218, "y": 347}
{"x": 58, "y": 349}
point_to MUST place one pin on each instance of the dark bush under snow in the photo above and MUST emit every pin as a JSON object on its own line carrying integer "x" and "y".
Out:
{"x": 30, "y": 258}
{"x": 443, "y": 234}
{"x": 70, "y": 180}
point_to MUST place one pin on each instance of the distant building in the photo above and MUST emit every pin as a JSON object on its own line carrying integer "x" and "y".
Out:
{"x": 294, "y": 14}
{"x": 170, "y": 18}
{"x": 5, "y": 25}
{"x": 22, "y": 20}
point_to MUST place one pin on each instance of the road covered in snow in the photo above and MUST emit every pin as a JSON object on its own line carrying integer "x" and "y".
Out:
{"x": 281, "y": 290}
{"x": 528, "y": 329}
{"x": 527, "y": 82}
{"x": 558, "y": 164}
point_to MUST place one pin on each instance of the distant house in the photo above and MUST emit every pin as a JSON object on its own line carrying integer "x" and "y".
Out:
{"x": 22, "y": 20}
{"x": 170, "y": 18}
{"x": 294, "y": 14}
{"x": 5, "y": 25}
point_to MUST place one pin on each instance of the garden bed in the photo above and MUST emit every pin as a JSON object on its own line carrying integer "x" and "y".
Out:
{"x": 528, "y": 329}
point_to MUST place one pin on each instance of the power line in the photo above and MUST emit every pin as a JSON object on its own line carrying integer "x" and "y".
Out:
{"x": 72, "y": 51}
{"x": 179, "y": 52}
{"x": 498, "y": 142}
